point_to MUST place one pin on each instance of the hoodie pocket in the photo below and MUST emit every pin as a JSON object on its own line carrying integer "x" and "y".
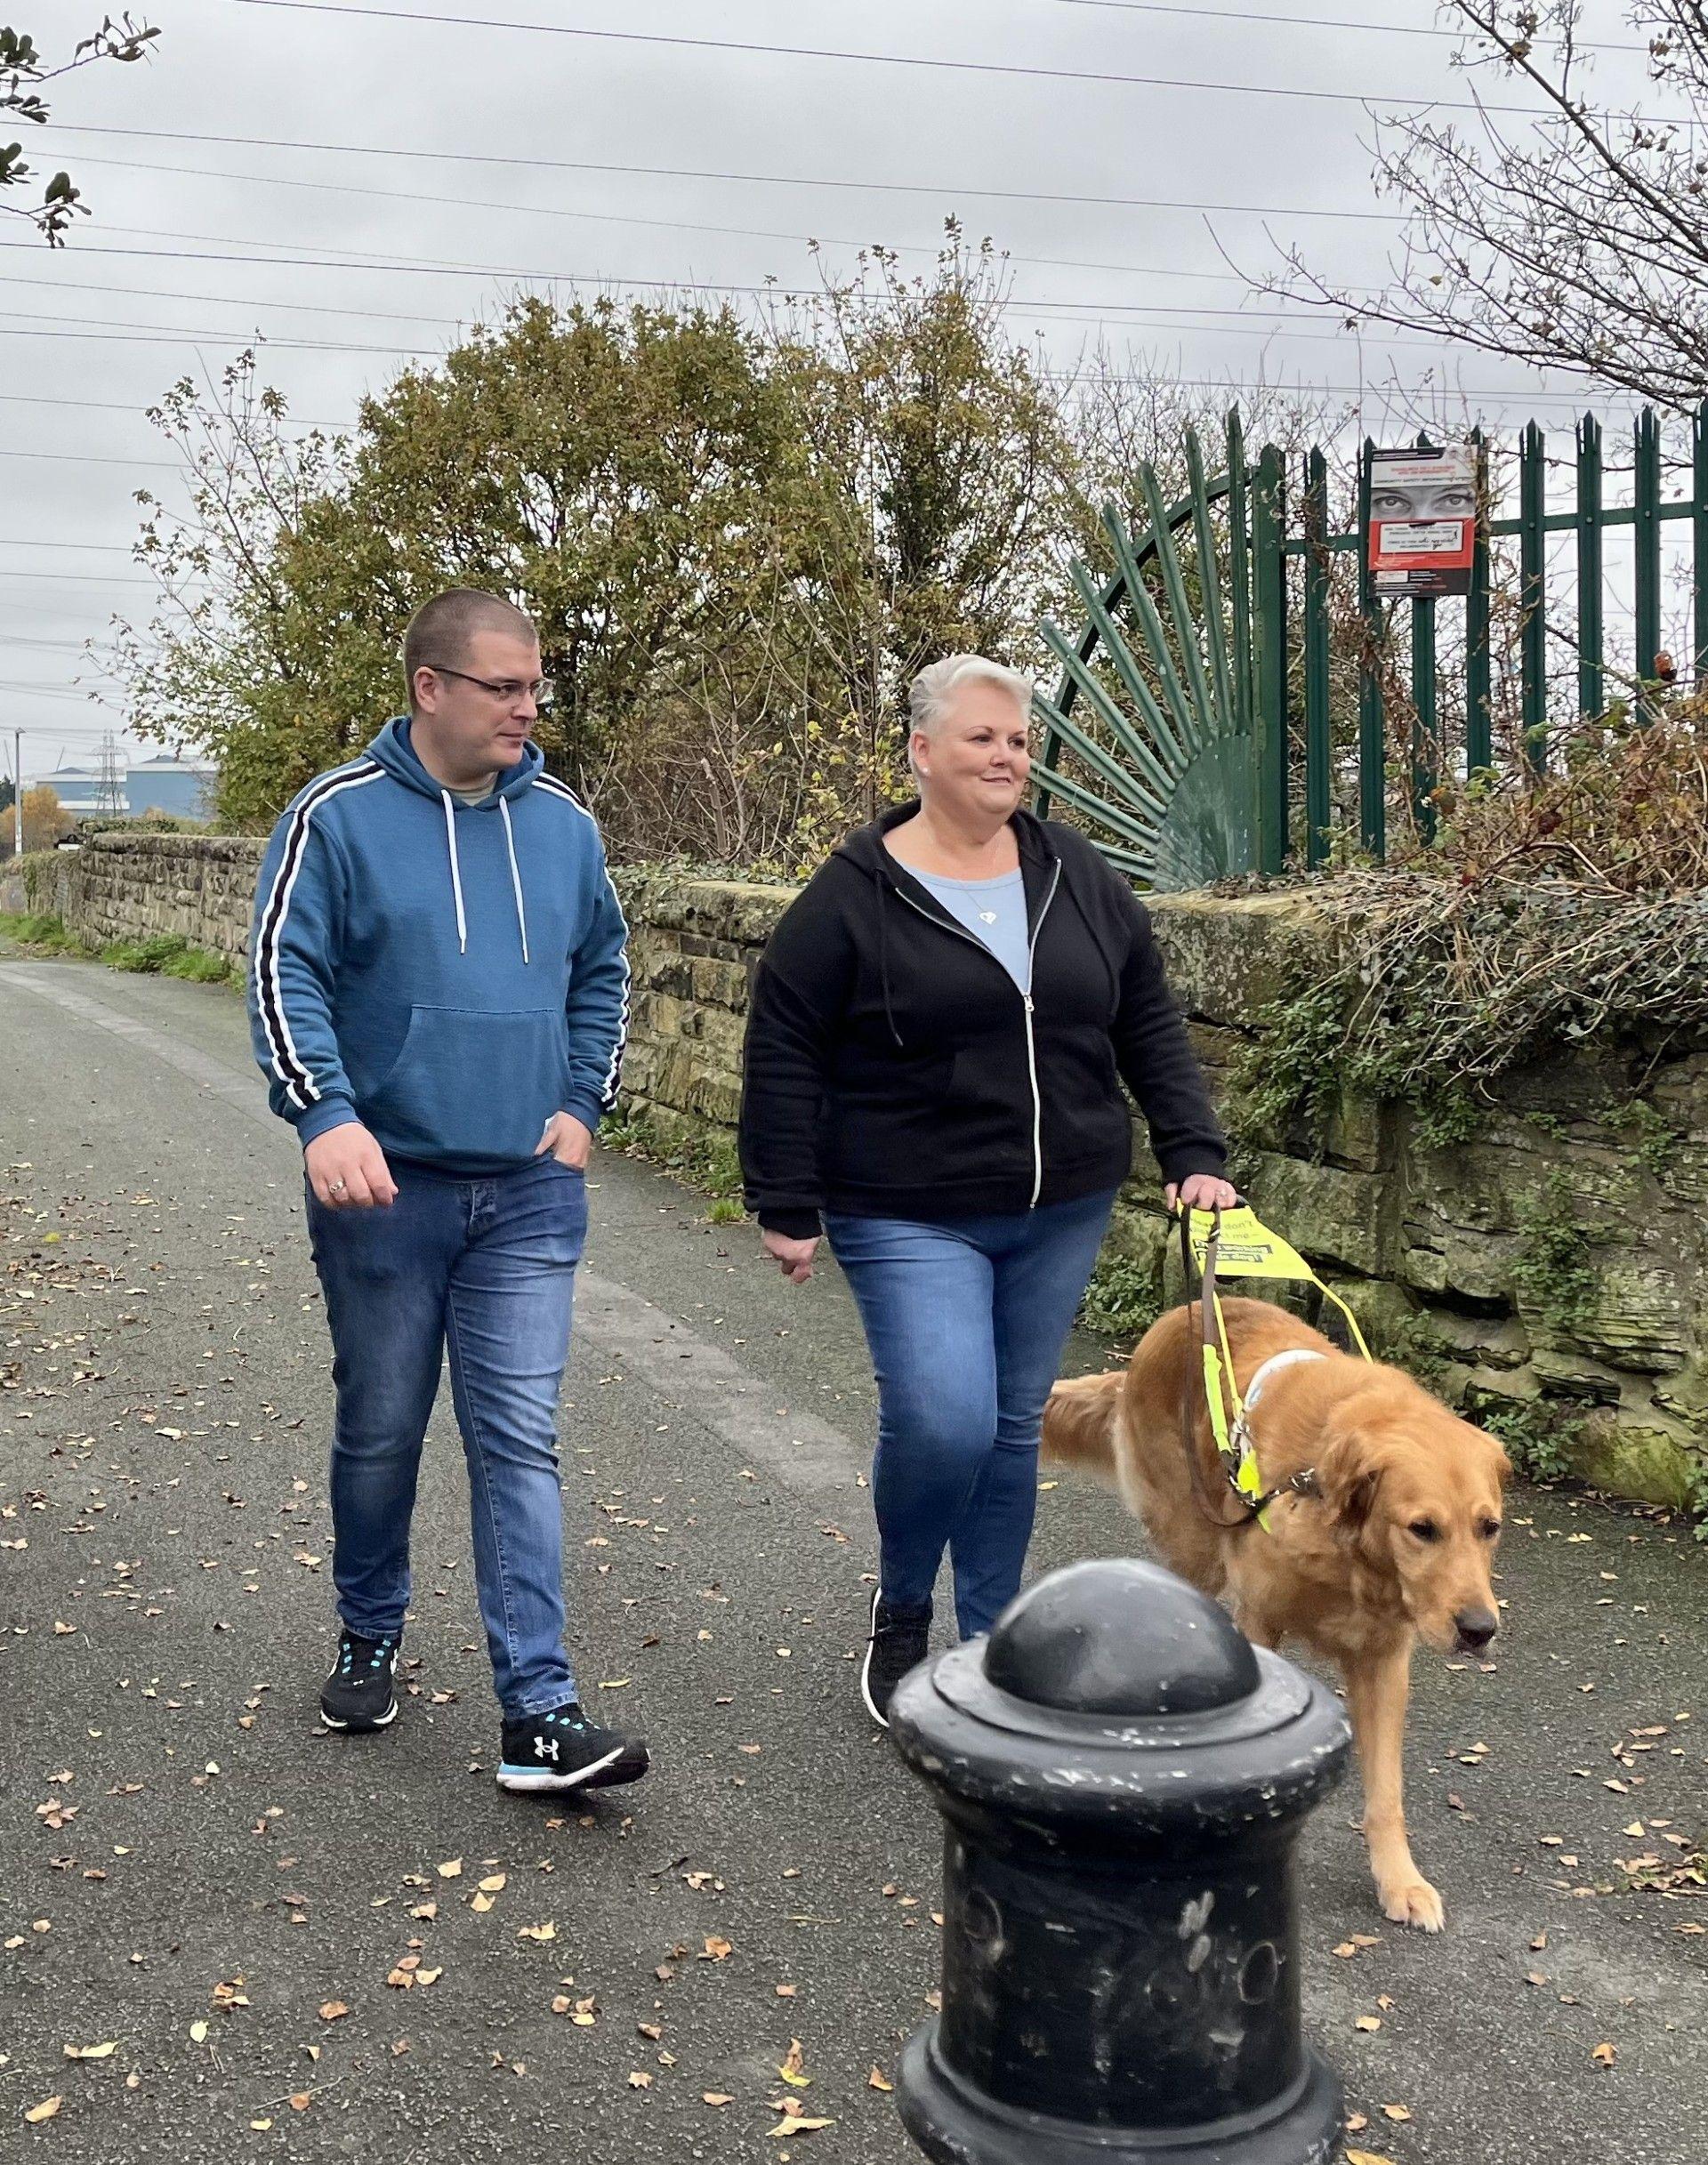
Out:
{"x": 468, "y": 1086}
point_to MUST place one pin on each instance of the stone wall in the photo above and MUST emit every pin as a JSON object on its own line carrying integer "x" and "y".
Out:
{"x": 133, "y": 887}
{"x": 1558, "y": 1262}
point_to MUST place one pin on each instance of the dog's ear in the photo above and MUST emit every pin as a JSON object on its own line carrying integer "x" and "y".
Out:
{"x": 1349, "y": 1473}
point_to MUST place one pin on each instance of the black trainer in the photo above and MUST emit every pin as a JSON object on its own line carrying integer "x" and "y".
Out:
{"x": 563, "y": 1749}
{"x": 899, "y": 1641}
{"x": 359, "y": 1695}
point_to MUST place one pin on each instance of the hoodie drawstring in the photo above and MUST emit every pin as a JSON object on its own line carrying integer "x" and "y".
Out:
{"x": 515, "y": 878}
{"x": 456, "y": 876}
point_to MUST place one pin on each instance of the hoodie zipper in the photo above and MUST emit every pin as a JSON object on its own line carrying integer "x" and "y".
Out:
{"x": 947, "y": 925}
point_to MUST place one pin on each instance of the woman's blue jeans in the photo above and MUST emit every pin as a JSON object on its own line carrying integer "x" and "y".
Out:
{"x": 966, "y": 1319}
{"x": 486, "y": 1267}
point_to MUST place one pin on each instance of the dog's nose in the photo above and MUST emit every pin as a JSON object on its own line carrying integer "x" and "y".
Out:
{"x": 1476, "y": 1628}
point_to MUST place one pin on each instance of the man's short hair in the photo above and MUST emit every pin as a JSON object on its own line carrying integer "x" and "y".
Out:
{"x": 440, "y": 629}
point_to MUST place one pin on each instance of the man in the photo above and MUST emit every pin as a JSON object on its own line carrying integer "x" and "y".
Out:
{"x": 439, "y": 996}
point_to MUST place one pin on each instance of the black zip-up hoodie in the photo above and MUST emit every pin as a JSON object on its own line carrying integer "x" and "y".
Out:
{"x": 894, "y": 1070}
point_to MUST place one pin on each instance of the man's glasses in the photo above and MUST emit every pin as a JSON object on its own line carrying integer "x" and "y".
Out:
{"x": 541, "y": 691}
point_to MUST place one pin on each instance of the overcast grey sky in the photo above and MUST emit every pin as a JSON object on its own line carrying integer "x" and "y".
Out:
{"x": 346, "y": 261}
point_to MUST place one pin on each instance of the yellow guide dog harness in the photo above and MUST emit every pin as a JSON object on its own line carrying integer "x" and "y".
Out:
{"x": 1235, "y": 1243}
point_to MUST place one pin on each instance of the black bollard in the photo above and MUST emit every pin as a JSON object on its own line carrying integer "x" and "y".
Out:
{"x": 1122, "y": 1778}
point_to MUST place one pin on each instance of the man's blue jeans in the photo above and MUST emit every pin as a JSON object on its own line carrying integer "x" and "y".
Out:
{"x": 966, "y": 1319}
{"x": 487, "y": 1267}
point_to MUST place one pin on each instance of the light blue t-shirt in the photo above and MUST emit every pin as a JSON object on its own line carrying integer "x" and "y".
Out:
{"x": 993, "y": 910}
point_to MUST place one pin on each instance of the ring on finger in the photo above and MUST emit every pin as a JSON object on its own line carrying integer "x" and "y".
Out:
{"x": 337, "y": 1188}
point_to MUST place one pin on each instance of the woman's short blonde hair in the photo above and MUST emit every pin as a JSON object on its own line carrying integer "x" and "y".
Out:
{"x": 931, "y": 693}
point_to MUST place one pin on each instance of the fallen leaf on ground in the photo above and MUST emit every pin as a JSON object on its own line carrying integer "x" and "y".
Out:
{"x": 452, "y": 1869}
{"x": 493, "y": 1883}
{"x": 789, "y": 2125}
{"x": 45, "y": 2110}
{"x": 1367, "y": 2157}
{"x": 638, "y": 2079}
{"x": 333, "y": 2010}
{"x": 300, "y": 2100}
{"x": 716, "y": 1949}
{"x": 197, "y": 2033}
{"x": 878, "y": 2080}
{"x": 1398, "y": 2112}
{"x": 539, "y": 1932}
{"x": 1605, "y": 2055}
{"x": 791, "y": 2071}
{"x": 93, "y": 2052}
{"x": 716, "y": 2096}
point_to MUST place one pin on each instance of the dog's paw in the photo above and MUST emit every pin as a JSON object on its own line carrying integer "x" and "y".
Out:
{"x": 1414, "y": 1902}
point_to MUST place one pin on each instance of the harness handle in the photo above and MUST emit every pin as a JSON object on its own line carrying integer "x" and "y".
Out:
{"x": 1208, "y": 1368}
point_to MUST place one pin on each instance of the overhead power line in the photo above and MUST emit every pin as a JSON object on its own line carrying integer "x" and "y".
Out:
{"x": 18, "y": 541}
{"x": 138, "y": 409}
{"x": 346, "y": 260}
{"x": 1102, "y": 77}
{"x": 1065, "y": 312}
{"x": 1313, "y": 22}
{"x": 942, "y": 190}
{"x": 78, "y": 578}
{"x": 85, "y": 458}
{"x": 622, "y": 218}
{"x": 231, "y": 301}
{"x": 177, "y": 338}
{"x": 44, "y": 691}
{"x": 1187, "y": 312}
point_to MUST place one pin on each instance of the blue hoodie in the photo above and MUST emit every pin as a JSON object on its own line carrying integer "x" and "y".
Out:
{"x": 449, "y": 975}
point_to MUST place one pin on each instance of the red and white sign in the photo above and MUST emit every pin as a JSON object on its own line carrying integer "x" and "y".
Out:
{"x": 1422, "y": 530}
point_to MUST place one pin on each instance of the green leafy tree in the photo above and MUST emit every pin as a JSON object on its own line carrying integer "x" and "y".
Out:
{"x": 1572, "y": 239}
{"x": 231, "y": 661}
{"x": 941, "y": 470}
{"x": 23, "y": 73}
{"x": 616, "y": 472}
{"x": 740, "y": 538}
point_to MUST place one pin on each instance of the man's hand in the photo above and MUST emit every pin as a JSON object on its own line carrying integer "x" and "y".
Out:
{"x": 1202, "y": 1191}
{"x": 567, "y": 1140}
{"x": 347, "y": 1170}
{"x": 793, "y": 1258}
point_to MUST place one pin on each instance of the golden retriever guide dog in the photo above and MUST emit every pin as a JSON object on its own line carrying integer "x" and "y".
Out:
{"x": 1393, "y": 1540}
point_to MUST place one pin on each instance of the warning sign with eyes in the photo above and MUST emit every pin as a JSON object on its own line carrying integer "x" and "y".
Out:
{"x": 1421, "y": 530}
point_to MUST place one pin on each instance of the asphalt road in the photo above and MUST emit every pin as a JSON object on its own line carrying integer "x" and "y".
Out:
{"x": 194, "y": 1879}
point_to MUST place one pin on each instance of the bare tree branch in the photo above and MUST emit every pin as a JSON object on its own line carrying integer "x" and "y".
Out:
{"x": 1580, "y": 243}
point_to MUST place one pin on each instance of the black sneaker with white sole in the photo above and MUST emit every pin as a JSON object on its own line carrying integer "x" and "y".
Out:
{"x": 899, "y": 1641}
{"x": 563, "y": 1749}
{"x": 360, "y": 1693}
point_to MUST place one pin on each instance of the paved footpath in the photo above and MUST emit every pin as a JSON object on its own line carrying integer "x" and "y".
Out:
{"x": 279, "y": 1942}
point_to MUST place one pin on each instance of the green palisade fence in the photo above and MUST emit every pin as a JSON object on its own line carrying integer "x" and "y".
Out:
{"x": 1171, "y": 731}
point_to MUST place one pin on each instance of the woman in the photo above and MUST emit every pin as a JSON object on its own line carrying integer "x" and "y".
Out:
{"x": 937, "y": 1030}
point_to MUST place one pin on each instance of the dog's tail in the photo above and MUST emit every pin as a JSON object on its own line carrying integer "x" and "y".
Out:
{"x": 1079, "y": 1422}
